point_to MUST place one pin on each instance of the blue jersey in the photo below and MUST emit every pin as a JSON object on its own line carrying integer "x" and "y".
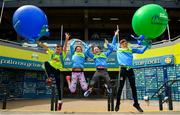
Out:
{"x": 100, "y": 59}
{"x": 125, "y": 55}
{"x": 78, "y": 58}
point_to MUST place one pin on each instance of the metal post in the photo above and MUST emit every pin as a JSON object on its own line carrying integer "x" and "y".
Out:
{"x": 170, "y": 103}
{"x": 112, "y": 98}
{"x": 169, "y": 36}
{"x": 4, "y": 99}
{"x": 160, "y": 103}
{"x": 118, "y": 35}
{"x": 52, "y": 97}
{"x": 2, "y": 9}
{"x": 61, "y": 33}
{"x": 109, "y": 102}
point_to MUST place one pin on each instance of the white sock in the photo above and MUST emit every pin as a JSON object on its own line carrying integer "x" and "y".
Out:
{"x": 59, "y": 101}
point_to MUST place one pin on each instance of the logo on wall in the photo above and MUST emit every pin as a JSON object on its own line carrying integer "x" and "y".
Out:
{"x": 167, "y": 60}
{"x": 159, "y": 19}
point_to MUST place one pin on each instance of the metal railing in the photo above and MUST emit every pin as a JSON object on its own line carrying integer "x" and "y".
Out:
{"x": 35, "y": 46}
{"x": 166, "y": 41}
{"x": 166, "y": 87}
{"x": 11, "y": 42}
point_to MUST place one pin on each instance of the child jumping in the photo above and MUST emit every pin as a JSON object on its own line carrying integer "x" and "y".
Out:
{"x": 54, "y": 66}
{"x": 78, "y": 59}
{"x": 100, "y": 60}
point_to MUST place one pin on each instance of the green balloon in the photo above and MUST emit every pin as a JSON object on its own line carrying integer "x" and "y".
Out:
{"x": 150, "y": 20}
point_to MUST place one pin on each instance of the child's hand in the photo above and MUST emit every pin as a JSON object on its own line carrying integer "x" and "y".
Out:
{"x": 67, "y": 36}
{"x": 90, "y": 45}
{"x": 106, "y": 41}
{"x": 117, "y": 32}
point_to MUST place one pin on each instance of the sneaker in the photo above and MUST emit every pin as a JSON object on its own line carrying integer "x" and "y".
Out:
{"x": 68, "y": 78}
{"x": 117, "y": 107}
{"x": 59, "y": 107}
{"x": 86, "y": 94}
{"x": 138, "y": 107}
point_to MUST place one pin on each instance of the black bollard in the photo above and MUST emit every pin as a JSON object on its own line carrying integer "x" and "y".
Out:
{"x": 4, "y": 100}
{"x": 170, "y": 103}
{"x": 52, "y": 97}
{"x": 109, "y": 101}
{"x": 112, "y": 99}
{"x": 160, "y": 103}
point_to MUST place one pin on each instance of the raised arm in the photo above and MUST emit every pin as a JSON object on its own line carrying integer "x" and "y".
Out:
{"x": 65, "y": 43}
{"x": 85, "y": 45}
{"x": 88, "y": 52}
{"x": 42, "y": 45}
{"x": 109, "y": 51}
{"x": 72, "y": 47}
{"x": 139, "y": 50}
{"x": 85, "y": 49}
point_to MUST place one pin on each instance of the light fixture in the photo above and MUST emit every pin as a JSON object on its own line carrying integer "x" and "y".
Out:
{"x": 114, "y": 19}
{"x": 96, "y": 18}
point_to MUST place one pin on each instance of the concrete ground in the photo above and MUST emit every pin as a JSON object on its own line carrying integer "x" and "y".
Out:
{"x": 83, "y": 106}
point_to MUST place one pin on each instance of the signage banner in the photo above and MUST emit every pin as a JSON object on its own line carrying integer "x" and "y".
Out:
{"x": 20, "y": 63}
{"x": 112, "y": 62}
{"x": 155, "y": 61}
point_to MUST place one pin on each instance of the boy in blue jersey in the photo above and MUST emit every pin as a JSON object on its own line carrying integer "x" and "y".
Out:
{"x": 78, "y": 59}
{"x": 125, "y": 61}
{"x": 100, "y": 60}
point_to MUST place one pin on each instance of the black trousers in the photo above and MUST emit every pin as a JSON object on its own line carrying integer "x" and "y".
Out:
{"x": 54, "y": 73}
{"x": 100, "y": 74}
{"x": 127, "y": 73}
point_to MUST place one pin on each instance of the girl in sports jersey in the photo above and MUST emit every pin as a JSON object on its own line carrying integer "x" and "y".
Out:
{"x": 54, "y": 66}
{"x": 100, "y": 60}
{"x": 78, "y": 59}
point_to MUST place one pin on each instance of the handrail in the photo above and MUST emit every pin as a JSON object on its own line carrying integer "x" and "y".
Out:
{"x": 166, "y": 87}
{"x": 35, "y": 45}
{"x": 165, "y": 84}
{"x": 175, "y": 38}
{"x": 160, "y": 42}
{"x": 12, "y": 42}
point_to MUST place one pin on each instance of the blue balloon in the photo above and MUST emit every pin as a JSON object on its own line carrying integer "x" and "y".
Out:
{"x": 30, "y": 22}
